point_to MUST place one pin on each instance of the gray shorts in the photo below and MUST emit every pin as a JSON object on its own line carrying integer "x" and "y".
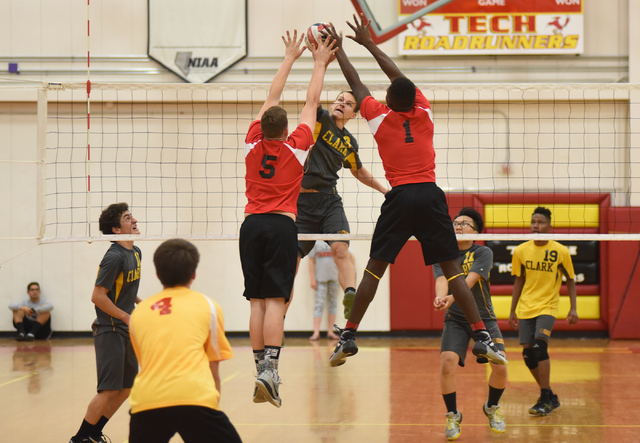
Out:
{"x": 320, "y": 213}
{"x": 115, "y": 360}
{"x": 457, "y": 335}
{"x": 540, "y": 327}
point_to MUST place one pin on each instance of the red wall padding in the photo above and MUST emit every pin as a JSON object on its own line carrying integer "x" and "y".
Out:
{"x": 412, "y": 292}
{"x": 412, "y": 283}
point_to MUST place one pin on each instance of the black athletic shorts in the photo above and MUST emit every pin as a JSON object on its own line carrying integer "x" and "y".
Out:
{"x": 43, "y": 333}
{"x": 536, "y": 328}
{"x": 268, "y": 253}
{"x": 195, "y": 424}
{"x": 115, "y": 360}
{"x": 419, "y": 210}
{"x": 320, "y": 213}
{"x": 457, "y": 334}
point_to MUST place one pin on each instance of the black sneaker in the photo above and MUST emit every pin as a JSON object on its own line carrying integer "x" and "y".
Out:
{"x": 555, "y": 403}
{"x": 484, "y": 347}
{"x": 30, "y": 337}
{"x": 20, "y": 336}
{"x": 346, "y": 347}
{"x": 541, "y": 408}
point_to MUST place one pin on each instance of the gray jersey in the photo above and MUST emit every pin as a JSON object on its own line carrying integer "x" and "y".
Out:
{"x": 333, "y": 149}
{"x": 326, "y": 269}
{"x": 120, "y": 273}
{"x": 478, "y": 259}
{"x": 42, "y": 305}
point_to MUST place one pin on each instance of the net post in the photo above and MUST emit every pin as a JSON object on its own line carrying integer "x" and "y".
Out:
{"x": 41, "y": 173}
{"x": 634, "y": 142}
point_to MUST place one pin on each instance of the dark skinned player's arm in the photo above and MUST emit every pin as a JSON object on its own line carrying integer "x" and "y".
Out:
{"x": 363, "y": 37}
{"x": 360, "y": 91}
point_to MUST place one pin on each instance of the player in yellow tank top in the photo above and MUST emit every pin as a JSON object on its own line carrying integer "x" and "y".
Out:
{"x": 539, "y": 267}
{"x": 178, "y": 337}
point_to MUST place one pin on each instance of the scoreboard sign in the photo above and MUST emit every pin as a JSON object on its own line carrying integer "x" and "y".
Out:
{"x": 493, "y": 27}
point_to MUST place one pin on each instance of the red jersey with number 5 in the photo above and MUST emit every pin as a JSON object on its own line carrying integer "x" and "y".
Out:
{"x": 275, "y": 169}
{"x": 405, "y": 140}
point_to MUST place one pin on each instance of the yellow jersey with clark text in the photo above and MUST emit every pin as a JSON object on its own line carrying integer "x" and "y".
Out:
{"x": 542, "y": 267}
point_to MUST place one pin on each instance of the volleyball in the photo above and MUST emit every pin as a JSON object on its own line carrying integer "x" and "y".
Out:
{"x": 314, "y": 35}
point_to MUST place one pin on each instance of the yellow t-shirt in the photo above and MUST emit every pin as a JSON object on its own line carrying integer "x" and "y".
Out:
{"x": 175, "y": 334}
{"x": 542, "y": 268}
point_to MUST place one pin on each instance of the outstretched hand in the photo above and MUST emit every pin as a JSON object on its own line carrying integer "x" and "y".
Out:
{"x": 294, "y": 46}
{"x": 325, "y": 50}
{"x": 331, "y": 31}
{"x": 361, "y": 29}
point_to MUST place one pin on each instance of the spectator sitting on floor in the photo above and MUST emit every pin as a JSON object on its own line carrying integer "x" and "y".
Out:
{"x": 32, "y": 317}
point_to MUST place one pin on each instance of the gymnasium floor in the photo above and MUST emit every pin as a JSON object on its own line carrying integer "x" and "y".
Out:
{"x": 389, "y": 392}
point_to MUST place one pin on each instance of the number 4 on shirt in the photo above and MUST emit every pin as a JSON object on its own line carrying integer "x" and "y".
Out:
{"x": 163, "y": 305}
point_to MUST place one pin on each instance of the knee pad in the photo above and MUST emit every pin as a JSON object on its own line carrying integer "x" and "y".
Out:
{"x": 540, "y": 349}
{"x": 530, "y": 358}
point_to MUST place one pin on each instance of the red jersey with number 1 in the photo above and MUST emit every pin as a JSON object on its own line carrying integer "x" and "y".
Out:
{"x": 405, "y": 140}
{"x": 275, "y": 169}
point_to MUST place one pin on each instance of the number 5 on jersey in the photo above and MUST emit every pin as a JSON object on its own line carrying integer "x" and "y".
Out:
{"x": 268, "y": 170}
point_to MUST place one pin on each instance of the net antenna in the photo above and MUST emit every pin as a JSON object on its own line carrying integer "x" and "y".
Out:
{"x": 89, "y": 119}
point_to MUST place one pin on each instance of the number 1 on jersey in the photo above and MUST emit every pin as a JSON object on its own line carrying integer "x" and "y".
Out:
{"x": 407, "y": 131}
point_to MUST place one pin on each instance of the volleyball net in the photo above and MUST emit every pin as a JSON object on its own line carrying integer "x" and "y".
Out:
{"x": 175, "y": 154}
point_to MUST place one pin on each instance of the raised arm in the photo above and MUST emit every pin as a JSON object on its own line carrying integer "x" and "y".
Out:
{"x": 321, "y": 56}
{"x": 293, "y": 51}
{"x": 360, "y": 91}
{"x": 363, "y": 37}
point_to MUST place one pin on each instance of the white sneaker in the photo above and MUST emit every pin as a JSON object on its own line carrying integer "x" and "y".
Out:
{"x": 258, "y": 397}
{"x": 452, "y": 429}
{"x": 496, "y": 421}
{"x": 267, "y": 385}
{"x": 486, "y": 348}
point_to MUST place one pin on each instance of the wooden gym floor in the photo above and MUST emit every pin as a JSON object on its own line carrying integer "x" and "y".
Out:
{"x": 389, "y": 392}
